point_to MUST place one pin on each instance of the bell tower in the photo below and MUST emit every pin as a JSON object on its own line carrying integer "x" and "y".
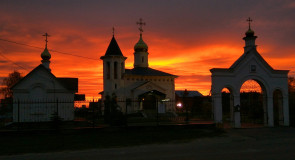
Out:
{"x": 113, "y": 68}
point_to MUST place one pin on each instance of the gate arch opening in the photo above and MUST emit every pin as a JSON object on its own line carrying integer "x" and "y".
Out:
{"x": 252, "y": 104}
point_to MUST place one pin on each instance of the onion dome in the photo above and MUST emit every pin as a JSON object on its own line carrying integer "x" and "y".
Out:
{"x": 45, "y": 55}
{"x": 141, "y": 46}
{"x": 249, "y": 33}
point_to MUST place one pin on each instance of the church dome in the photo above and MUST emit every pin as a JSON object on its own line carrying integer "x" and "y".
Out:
{"x": 141, "y": 45}
{"x": 249, "y": 33}
{"x": 45, "y": 55}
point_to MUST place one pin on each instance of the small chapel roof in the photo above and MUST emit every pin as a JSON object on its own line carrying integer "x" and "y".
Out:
{"x": 146, "y": 71}
{"x": 113, "y": 49}
{"x": 70, "y": 84}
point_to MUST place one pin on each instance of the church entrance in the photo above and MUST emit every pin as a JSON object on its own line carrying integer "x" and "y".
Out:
{"x": 150, "y": 100}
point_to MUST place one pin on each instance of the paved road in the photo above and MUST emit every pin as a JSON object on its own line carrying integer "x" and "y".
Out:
{"x": 237, "y": 144}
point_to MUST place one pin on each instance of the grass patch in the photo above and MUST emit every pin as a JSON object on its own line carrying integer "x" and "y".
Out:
{"x": 32, "y": 142}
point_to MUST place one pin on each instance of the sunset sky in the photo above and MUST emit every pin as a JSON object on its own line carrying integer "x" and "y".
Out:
{"x": 185, "y": 37}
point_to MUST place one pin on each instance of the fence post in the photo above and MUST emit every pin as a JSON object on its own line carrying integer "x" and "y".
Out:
{"x": 157, "y": 107}
{"x": 126, "y": 113}
{"x": 93, "y": 114}
{"x": 57, "y": 107}
{"x": 185, "y": 94}
{"x": 18, "y": 112}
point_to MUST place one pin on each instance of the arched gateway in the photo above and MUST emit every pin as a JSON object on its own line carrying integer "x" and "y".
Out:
{"x": 251, "y": 66}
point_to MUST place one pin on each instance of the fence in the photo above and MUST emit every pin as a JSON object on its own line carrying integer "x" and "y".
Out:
{"x": 45, "y": 114}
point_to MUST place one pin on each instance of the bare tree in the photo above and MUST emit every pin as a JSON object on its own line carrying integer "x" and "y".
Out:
{"x": 8, "y": 82}
{"x": 291, "y": 84}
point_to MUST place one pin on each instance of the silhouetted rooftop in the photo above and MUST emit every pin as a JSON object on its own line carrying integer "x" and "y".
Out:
{"x": 113, "y": 49}
{"x": 180, "y": 93}
{"x": 146, "y": 71}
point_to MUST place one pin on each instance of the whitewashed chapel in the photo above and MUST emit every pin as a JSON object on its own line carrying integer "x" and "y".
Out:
{"x": 138, "y": 89}
{"x": 40, "y": 94}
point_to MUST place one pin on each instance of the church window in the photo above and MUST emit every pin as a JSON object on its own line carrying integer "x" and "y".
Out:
{"x": 142, "y": 59}
{"x": 122, "y": 70}
{"x": 115, "y": 86}
{"x": 108, "y": 70}
{"x": 253, "y": 68}
{"x": 116, "y": 70}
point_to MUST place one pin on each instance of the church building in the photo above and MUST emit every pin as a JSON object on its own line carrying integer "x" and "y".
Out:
{"x": 40, "y": 95}
{"x": 138, "y": 89}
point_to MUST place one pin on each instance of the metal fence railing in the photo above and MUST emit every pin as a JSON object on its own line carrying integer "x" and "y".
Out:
{"x": 64, "y": 114}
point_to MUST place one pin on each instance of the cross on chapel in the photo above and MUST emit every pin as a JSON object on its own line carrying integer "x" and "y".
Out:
{"x": 46, "y": 35}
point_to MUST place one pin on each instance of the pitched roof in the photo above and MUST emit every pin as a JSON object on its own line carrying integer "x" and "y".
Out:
{"x": 146, "y": 71}
{"x": 70, "y": 84}
{"x": 261, "y": 59}
{"x": 180, "y": 93}
{"x": 243, "y": 57}
{"x": 113, "y": 49}
{"x": 34, "y": 70}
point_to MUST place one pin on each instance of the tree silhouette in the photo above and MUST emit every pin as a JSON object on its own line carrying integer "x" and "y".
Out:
{"x": 8, "y": 82}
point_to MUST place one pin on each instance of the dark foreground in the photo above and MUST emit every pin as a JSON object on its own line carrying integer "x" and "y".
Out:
{"x": 259, "y": 143}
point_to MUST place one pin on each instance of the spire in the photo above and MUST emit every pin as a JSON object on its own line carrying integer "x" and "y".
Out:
{"x": 45, "y": 55}
{"x": 250, "y": 37}
{"x": 113, "y": 48}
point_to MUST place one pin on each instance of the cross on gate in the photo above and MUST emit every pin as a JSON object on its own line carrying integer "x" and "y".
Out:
{"x": 249, "y": 21}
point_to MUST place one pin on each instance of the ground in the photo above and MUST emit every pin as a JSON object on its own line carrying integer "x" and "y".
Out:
{"x": 258, "y": 143}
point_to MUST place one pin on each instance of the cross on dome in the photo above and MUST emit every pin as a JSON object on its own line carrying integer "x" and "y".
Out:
{"x": 46, "y": 36}
{"x": 249, "y": 20}
{"x": 140, "y": 23}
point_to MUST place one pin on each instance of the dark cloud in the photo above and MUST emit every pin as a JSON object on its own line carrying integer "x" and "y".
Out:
{"x": 172, "y": 28}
